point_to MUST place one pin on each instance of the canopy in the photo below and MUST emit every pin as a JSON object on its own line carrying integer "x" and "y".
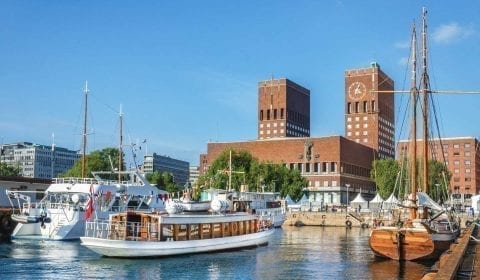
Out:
{"x": 289, "y": 200}
{"x": 377, "y": 199}
{"x": 359, "y": 199}
{"x": 392, "y": 199}
{"x": 303, "y": 199}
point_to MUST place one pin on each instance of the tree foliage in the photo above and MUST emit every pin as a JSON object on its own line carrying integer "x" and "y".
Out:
{"x": 9, "y": 170}
{"x": 258, "y": 176}
{"x": 386, "y": 174}
{"x": 100, "y": 160}
{"x": 163, "y": 180}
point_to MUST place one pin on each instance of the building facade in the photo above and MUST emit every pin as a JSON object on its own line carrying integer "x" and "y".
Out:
{"x": 370, "y": 109}
{"x": 193, "y": 175}
{"x": 332, "y": 165}
{"x": 462, "y": 158}
{"x": 38, "y": 161}
{"x": 178, "y": 168}
{"x": 283, "y": 109}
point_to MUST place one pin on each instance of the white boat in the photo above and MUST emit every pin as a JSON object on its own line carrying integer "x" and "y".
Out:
{"x": 265, "y": 204}
{"x": 136, "y": 234}
{"x": 62, "y": 212}
{"x": 190, "y": 205}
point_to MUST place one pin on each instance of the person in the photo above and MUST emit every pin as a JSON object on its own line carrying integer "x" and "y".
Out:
{"x": 359, "y": 208}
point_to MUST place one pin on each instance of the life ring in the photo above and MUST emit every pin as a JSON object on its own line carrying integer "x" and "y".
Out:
{"x": 468, "y": 223}
{"x": 348, "y": 223}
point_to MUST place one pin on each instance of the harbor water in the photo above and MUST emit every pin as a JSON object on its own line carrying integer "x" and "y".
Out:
{"x": 293, "y": 253}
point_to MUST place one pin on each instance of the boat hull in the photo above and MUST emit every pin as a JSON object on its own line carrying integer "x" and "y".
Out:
{"x": 410, "y": 244}
{"x": 138, "y": 249}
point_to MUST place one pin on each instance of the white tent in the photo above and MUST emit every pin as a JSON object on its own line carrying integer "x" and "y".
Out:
{"x": 289, "y": 200}
{"x": 291, "y": 205}
{"x": 359, "y": 202}
{"x": 376, "y": 202}
{"x": 391, "y": 202}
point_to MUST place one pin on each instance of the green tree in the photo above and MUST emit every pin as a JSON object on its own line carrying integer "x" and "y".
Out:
{"x": 265, "y": 176}
{"x": 438, "y": 179}
{"x": 163, "y": 180}
{"x": 9, "y": 170}
{"x": 100, "y": 160}
{"x": 384, "y": 174}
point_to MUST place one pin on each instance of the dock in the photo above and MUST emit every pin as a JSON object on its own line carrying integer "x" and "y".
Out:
{"x": 462, "y": 260}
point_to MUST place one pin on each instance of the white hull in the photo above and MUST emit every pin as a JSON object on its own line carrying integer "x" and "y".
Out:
{"x": 122, "y": 248}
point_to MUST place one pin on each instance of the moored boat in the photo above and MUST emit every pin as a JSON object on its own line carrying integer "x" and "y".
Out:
{"x": 136, "y": 234}
{"x": 421, "y": 229}
{"x": 69, "y": 202}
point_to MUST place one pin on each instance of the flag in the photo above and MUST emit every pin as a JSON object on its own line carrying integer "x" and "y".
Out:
{"x": 89, "y": 206}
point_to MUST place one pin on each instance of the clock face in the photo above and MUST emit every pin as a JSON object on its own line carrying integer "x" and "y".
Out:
{"x": 356, "y": 90}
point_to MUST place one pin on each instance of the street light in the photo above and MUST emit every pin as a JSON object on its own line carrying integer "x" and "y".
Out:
{"x": 348, "y": 186}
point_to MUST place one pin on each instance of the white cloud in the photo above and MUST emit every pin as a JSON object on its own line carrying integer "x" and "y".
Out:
{"x": 452, "y": 32}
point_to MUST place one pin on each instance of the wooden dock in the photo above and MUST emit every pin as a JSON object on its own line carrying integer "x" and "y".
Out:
{"x": 462, "y": 260}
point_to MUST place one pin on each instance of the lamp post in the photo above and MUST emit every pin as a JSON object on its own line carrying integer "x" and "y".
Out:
{"x": 348, "y": 186}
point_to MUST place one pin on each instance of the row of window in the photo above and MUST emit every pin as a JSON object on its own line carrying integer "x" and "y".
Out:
{"x": 272, "y": 114}
{"x": 355, "y": 107}
{"x": 329, "y": 167}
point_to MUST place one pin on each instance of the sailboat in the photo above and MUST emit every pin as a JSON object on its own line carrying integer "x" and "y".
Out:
{"x": 69, "y": 202}
{"x": 423, "y": 229}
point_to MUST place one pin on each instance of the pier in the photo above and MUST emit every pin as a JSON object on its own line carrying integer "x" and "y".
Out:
{"x": 462, "y": 260}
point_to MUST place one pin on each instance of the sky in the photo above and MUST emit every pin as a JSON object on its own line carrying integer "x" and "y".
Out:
{"x": 185, "y": 73}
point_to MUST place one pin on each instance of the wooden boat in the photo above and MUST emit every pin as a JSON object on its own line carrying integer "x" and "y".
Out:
{"x": 423, "y": 229}
{"x": 136, "y": 234}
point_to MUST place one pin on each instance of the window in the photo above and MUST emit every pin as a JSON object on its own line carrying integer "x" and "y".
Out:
{"x": 467, "y": 162}
{"x": 274, "y": 114}
{"x": 365, "y": 107}
{"x": 456, "y": 146}
{"x": 373, "y": 106}
{"x": 315, "y": 167}
{"x": 268, "y": 114}
{"x": 281, "y": 113}
{"x": 357, "y": 107}
{"x": 467, "y": 153}
{"x": 261, "y": 115}
{"x": 349, "y": 108}
{"x": 324, "y": 167}
{"x": 467, "y": 145}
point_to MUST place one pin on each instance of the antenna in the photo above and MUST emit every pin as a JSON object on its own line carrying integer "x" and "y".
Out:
{"x": 84, "y": 149}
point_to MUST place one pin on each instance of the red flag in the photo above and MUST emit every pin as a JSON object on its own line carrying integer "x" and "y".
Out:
{"x": 89, "y": 206}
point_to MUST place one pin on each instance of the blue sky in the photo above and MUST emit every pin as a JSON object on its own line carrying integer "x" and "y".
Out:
{"x": 186, "y": 72}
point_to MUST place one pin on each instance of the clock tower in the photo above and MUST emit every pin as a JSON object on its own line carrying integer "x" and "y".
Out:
{"x": 370, "y": 115}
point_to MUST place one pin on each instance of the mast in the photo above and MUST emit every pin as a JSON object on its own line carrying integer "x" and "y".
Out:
{"x": 84, "y": 140}
{"x": 120, "y": 152}
{"x": 425, "y": 93}
{"x": 413, "y": 143}
{"x": 230, "y": 172}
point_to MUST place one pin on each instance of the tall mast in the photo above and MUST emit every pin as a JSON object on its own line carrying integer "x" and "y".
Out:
{"x": 413, "y": 143}
{"x": 120, "y": 147}
{"x": 425, "y": 93}
{"x": 84, "y": 140}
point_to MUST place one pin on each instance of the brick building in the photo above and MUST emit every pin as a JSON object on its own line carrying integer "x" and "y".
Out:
{"x": 330, "y": 164}
{"x": 370, "y": 109}
{"x": 462, "y": 157}
{"x": 283, "y": 109}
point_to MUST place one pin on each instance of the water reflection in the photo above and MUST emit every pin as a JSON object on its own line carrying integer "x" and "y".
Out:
{"x": 301, "y": 253}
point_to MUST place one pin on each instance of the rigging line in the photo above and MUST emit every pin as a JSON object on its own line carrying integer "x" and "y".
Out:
{"x": 453, "y": 92}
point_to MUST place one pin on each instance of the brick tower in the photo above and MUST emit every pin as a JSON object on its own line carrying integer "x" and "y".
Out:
{"x": 370, "y": 115}
{"x": 283, "y": 109}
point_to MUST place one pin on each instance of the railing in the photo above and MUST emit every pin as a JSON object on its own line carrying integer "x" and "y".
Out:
{"x": 121, "y": 230}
